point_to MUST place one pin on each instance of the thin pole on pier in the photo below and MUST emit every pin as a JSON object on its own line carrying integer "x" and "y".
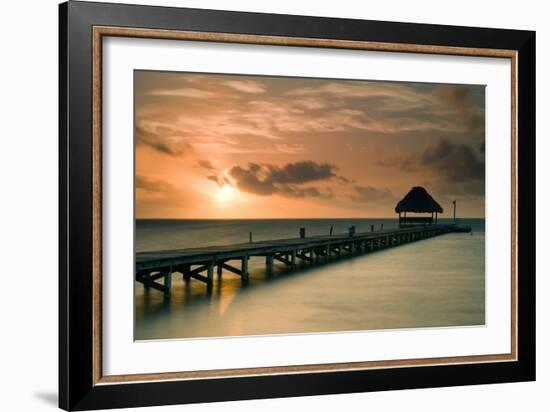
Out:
{"x": 454, "y": 211}
{"x": 249, "y": 237}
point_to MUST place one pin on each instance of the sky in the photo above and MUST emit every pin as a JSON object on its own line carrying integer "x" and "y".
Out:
{"x": 214, "y": 146}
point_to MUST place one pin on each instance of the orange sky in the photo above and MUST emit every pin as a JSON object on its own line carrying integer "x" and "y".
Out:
{"x": 228, "y": 146}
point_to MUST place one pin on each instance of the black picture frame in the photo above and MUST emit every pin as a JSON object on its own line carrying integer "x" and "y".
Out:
{"x": 77, "y": 390}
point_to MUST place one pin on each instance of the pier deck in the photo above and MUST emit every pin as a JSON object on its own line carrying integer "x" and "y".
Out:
{"x": 200, "y": 263}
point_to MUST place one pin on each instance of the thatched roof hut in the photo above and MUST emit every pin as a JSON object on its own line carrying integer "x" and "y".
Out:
{"x": 418, "y": 200}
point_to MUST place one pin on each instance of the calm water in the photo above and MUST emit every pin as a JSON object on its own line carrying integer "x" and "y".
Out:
{"x": 430, "y": 283}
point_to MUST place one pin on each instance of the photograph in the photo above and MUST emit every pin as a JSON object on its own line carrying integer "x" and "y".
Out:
{"x": 269, "y": 205}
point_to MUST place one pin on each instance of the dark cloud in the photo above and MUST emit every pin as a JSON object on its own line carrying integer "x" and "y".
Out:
{"x": 294, "y": 191}
{"x": 454, "y": 162}
{"x": 152, "y": 185}
{"x": 458, "y": 169}
{"x": 162, "y": 139}
{"x": 369, "y": 194}
{"x": 267, "y": 179}
{"x": 301, "y": 172}
{"x": 214, "y": 179}
{"x": 249, "y": 180}
{"x": 206, "y": 164}
{"x": 459, "y": 99}
{"x": 219, "y": 180}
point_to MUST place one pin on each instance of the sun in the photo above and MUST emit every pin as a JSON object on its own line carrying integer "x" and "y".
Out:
{"x": 225, "y": 193}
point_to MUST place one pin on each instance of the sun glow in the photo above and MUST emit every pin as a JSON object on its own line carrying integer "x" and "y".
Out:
{"x": 225, "y": 193}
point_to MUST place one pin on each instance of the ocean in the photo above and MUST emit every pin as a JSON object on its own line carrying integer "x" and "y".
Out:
{"x": 437, "y": 282}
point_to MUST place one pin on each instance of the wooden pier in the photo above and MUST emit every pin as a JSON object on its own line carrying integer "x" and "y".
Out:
{"x": 201, "y": 263}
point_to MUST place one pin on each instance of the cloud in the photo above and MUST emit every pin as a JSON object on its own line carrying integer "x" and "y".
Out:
{"x": 297, "y": 192}
{"x": 449, "y": 162}
{"x": 183, "y": 92}
{"x": 458, "y": 172}
{"x": 205, "y": 164}
{"x": 151, "y": 185}
{"x": 459, "y": 99}
{"x": 455, "y": 170}
{"x": 288, "y": 180}
{"x": 289, "y": 148}
{"x": 236, "y": 114}
{"x": 214, "y": 179}
{"x": 310, "y": 103}
{"x": 246, "y": 86}
{"x": 370, "y": 194}
{"x": 343, "y": 179}
{"x": 249, "y": 180}
{"x": 301, "y": 172}
{"x": 454, "y": 162}
{"x": 163, "y": 139}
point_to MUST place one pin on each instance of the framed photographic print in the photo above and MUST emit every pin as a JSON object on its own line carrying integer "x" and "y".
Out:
{"x": 256, "y": 205}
